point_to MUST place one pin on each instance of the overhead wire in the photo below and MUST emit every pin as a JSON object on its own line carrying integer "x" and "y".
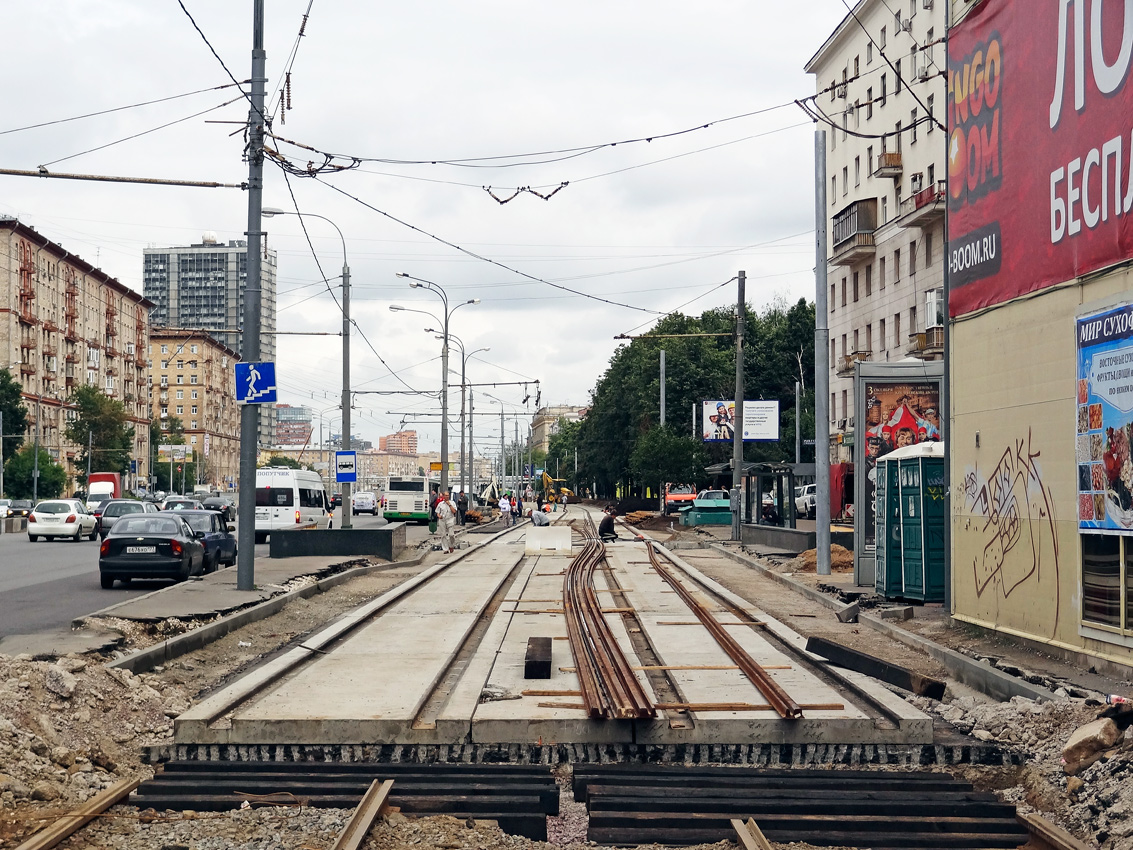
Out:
{"x": 231, "y": 76}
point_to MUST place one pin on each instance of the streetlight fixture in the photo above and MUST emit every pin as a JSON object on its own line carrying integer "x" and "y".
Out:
{"x": 268, "y": 212}
{"x": 464, "y": 356}
{"x": 421, "y": 283}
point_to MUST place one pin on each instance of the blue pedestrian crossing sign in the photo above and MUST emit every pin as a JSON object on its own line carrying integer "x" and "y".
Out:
{"x": 255, "y": 383}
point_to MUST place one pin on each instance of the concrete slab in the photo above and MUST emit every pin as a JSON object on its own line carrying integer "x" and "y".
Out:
{"x": 547, "y": 538}
{"x": 60, "y": 642}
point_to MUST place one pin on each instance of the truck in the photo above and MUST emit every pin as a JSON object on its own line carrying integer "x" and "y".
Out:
{"x": 103, "y": 485}
{"x": 678, "y": 496}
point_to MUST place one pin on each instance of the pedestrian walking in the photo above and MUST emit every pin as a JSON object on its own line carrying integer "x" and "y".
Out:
{"x": 564, "y": 502}
{"x": 446, "y": 522}
{"x": 505, "y": 509}
{"x": 462, "y": 506}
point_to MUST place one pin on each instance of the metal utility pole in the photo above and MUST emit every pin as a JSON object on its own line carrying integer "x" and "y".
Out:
{"x": 1, "y": 453}
{"x": 798, "y": 423}
{"x": 737, "y": 423}
{"x": 471, "y": 442}
{"x": 347, "y": 488}
{"x": 821, "y": 359}
{"x": 694, "y": 434}
{"x": 503, "y": 457}
{"x": 250, "y": 349}
{"x": 35, "y": 461}
{"x": 90, "y": 445}
{"x": 662, "y": 388}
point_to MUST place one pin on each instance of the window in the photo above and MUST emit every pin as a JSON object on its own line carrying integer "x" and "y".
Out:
{"x": 929, "y": 102}
{"x": 845, "y": 180}
{"x": 843, "y": 292}
{"x": 932, "y": 174}
{"x": 833, "y": 90}
{"x": 165, "y": 349}
{"x": 180, "y": 364}
{"x": 857, "y": 72}
{"x": 164, "y": 364}
{"x": 857, "y": 114}
{"x": 897, "y": 137}
{"x": 833, "y": 408}
{"x": 897, "y": 266}
{"x": 881, "y": 273}
{"x": 869, "y": 53}
{"x": 310, "y": 498}
{"x": 896, "y": 22}
{"x": 193, "y": 410}
{"x": 845, "y": 408}
{"x": 881, "y": 38}
{"x": 193, "y": 423}
{"x": 110, "y": 382}
{"x": 881, "y": 333}
{"x": 192, "y": 379}
{"x": 912, "y": 257}
{"x": 833, "y": 295}
{"x": 869, "y": 280}
{"x": 869, "y": 337}
{"x": 928, "y": 250}
{"x": 897, "y": 329}
{"x": 913, "y": 127}
{"x": 164, "y": 381}
{"x": 193, "y": 439}
{"x": 845, "y": 126}
{"x": 869, "y": 160}
{"x": 857, "y": 171}
{"x": 930, "y": 37}
{"x": 833, "y": 187}
{"x": 180, "y": 409}
{"x": 844, "y": 352}
{"x": 913, "y": 319}
{"x": 912, "y": 8}
{"x": 193, "y": 348}
{"x": 881, "y": 96}
{"x": 884, "y": 208}
{"x": 857, "y": 347}
{"x": 855, "y": 287}
{"x": 165, "y": 409}
{"x": 897, "y": 76}
{"x": 833, "y": 355}
{"x": 1102, "y": 579}
{"x": 180, "y": 393}
{"x": 869, "y": 103}
{"x": 193, "y": 394}
{"x": 180, "y": 379}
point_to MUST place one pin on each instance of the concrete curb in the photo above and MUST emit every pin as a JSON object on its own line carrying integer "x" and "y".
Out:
{"x": 146, "y": 659}
{"x": 982, "y": 677}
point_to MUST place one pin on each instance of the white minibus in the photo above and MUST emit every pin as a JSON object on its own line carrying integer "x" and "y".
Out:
{"x": 286, "y": 498}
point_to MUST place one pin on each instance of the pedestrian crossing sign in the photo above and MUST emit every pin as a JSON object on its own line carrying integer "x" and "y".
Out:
{"x": 255, "y": 383}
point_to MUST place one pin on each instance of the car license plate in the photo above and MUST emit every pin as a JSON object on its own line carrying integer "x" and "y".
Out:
{"x": 141, "y": 550}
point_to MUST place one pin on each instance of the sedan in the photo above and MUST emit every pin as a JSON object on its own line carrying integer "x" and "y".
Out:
{"x": 150, "y": 546}
{"x": 4, "y": 503}
{"x": 118, "y": 508}
{"x": 20, "y": 507}
{"x": 61, "y": 518}
{"x": 181, "y": 504}
{"x": 222, "y": 504}
{"x": 211, "y": 529}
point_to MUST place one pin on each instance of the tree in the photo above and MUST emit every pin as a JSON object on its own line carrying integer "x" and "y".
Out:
{"x": 15, "y": 416}
{"x": 661, "y": 456}
{"x": 18, "y": 474}
{"x": 103, "y": 421}
{"x": 559, "y": 460}
{"x": 290, "y": 463}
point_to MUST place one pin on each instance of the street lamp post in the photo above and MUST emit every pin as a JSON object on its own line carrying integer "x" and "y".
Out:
{"x": 464, "y": 355}
{"x": 346, "y": 441}
{"x": 420, "y": 283}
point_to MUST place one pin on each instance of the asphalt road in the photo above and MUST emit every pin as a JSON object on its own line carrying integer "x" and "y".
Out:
{"x": 47, "y": 584}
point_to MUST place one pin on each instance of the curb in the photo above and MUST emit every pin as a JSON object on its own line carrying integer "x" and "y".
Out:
{"x": 982, "y": 677}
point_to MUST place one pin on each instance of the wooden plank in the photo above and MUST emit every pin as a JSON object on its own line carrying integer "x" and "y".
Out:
{"x": 375, "y": 799}
{"x": 580, "y": 706}
{"x": 551, "y": 693}
{"x": 884, "y": 671}
{"x": 1051, "y": 834}
{"x": 750, "y": 835}
{"x": 69, "y": 824}
{"x": 537, "y": 662}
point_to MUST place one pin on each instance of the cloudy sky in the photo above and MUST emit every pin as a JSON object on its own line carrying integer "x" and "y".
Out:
{"x": 439, "y": 102}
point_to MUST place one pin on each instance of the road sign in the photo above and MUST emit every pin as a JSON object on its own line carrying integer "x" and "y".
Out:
{"x": 255, "y": 383}
{"x": 808, "y": 442}
{"x": 346, "y": 467}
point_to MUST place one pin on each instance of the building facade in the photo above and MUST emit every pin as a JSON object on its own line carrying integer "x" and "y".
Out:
{"x": 294, "y": 425}
{"x": 202, "y": 287}
{"x": 403, "y": 442}
{"x": 194, "y": 381}
{"x": 880, "y": 80}
{"x": 63, "y": 324}
{"x": 545, "y": 423}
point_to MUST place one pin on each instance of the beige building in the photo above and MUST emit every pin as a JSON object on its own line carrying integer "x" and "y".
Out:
{"x": 545, "y": 423}
{"x": 403, "y": 442}
{"x": 63, "y": 324}
{"x": 193, "y": 380}
{"x": 885, "y": 182}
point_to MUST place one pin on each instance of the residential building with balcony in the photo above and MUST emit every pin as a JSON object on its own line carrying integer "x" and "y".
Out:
{"x": 202, "y": 286}
{"x": 194, "y": 381}
{"x": 403, "y": 442}
{"x": 65, "y": 324}
{"x": 881, "y": 93}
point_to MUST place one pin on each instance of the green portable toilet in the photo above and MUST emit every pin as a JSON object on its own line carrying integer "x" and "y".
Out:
{"x": 910, "y": 523}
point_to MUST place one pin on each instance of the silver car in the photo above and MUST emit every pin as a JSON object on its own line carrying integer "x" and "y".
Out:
{"x": 116, "y": 508}
{"x": 365, "y": 503}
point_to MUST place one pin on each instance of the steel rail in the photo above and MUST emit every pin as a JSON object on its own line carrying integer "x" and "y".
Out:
{"x": 778, "y": 698}
{"x": 609, "y": 687}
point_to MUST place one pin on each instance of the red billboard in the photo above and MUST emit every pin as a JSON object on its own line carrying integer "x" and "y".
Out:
{"x": 1040, "y": 146}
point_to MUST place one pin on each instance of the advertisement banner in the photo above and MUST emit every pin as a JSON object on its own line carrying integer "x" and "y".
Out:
{"x": 1040, "y": 146}
{"x": 898, "y": 414}
{"x": 167, "y": 453}
{"x": 1104, "y": 417}
{"x": 761, "y": 421}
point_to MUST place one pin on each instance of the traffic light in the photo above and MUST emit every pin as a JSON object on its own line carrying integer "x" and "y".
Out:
{"x": 178, "y": 467}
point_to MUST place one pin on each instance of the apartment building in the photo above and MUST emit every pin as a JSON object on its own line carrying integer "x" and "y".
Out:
{"x": 194, "y": 381}
{"x": 403, "y": 442}
{"x": 202, "y": 286}
{"x": 65, "y": 323}
{"x": 881, "y": 94}
{"x": 545, "y": 423}
{"x": 294, "y": 425}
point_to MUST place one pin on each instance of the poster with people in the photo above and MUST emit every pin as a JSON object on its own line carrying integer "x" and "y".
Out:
{"x": 896, "y": 415}
{"x": 761, "y": 421}
{"x": 1104, "y": 413}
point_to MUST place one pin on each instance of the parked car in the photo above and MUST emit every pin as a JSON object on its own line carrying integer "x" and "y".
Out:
{"x": 150, "y": 546}
{"x": 4, "y": 503}
{"x": 211, "y": 529}
{"x": 805, "y": 500}
{"x": 97, "y": 506}
{"x": 224, "y": 504}
{"x": 61, "y": 518}
{"x": 336, "y": 500}
{"x": 20, "y": 507}
{"x": 118, "y": 508}
{"x": 180, "y": 503}
{"x": 364, "y": 503}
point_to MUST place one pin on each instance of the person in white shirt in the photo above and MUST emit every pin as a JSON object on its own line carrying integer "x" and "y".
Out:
{"x": 505, "y": 509}
{"x": 446, "y": 519}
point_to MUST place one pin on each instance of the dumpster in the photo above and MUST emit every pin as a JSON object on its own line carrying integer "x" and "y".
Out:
{"x": 910, "y": 523}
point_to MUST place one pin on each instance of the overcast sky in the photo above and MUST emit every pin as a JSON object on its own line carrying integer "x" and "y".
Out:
{"x": 651, "y": 224}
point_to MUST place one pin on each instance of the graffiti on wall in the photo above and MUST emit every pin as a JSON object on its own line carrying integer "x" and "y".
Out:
{"x": 1016, "y": 510}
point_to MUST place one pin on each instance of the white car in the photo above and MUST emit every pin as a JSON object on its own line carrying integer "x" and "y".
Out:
{"x": 805, "y": 500}
{"x": 4, "y": 503}
{"x": 364, "y": 503}
{"x": 62, "y": 518}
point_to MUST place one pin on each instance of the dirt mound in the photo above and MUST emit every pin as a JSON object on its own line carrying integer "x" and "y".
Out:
{"x": 841, "y": 560}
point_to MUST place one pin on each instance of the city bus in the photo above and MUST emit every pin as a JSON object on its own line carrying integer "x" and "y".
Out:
{"x": 407, "y": 498}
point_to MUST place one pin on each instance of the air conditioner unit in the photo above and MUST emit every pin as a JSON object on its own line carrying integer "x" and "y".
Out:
{"x": 924, "y": 73}
{"x": 851, "y": 422}
{"x": 917, "y": 182}
{"x": 906, "y": 25}
{"x": 840, "y": 91}
{"x": 841, "y": 424}
{"x": 926, "y": 4}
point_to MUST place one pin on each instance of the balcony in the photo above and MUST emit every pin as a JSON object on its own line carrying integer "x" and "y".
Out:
{"x": 924, "y": 208}
{"x": 852, "y": 233}
{"x": 846, "y": 363}
{"x": 29, "y": 342}
{"x": 928, "y": 344}
{"x": 27, "y": 368}
{"x": 50, "y": 326}
{"x": 888, "y": 164}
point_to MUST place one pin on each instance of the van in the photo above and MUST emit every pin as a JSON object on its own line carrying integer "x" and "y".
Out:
{"x": 288, "y": 498}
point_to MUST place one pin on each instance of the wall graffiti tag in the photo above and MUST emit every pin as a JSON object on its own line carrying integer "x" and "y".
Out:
{"x": 1017, "y": 512}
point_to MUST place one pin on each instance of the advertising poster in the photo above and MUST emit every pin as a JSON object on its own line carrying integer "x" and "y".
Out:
{"x": 1103, "y": 421}
{"x": 761, "y": 421}
{"x": 897, "y": 415}
{"x": 1040, "y": 138}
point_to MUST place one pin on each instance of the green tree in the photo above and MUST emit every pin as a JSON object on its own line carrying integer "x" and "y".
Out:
{"x": 661, "y": 456}
{"x": 103, "y": 421}
{"x": 18, "y": 473}
{"x": 290, "y": 463}
{"x": 14, "y": 414}
{"x": 559, "y": 459}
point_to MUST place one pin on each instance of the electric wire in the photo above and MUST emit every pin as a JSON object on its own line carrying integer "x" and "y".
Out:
{"x": 231, "y": 76}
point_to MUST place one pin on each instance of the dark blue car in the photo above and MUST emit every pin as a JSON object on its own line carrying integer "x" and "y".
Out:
{"x": 211, "y": 529}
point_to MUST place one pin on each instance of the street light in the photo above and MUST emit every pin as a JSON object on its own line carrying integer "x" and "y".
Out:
{"x": 346, "y": 442}
{"x": 464, "y": 479}
{"x": 420, "y": 283}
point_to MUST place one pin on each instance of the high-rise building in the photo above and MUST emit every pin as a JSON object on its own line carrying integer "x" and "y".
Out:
{"x": 294, "y": 425}
{"x": 403, "y": 442}
{"x": 201, "y": 287}
{"x": 63, "y": 324}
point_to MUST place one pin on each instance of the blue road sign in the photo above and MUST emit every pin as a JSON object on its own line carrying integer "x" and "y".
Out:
{"x": 255, "y": 383}
{"x": 346, "y": 467}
